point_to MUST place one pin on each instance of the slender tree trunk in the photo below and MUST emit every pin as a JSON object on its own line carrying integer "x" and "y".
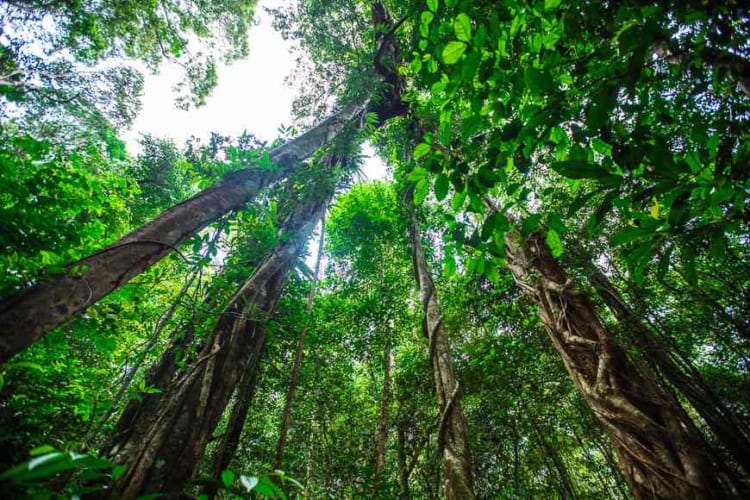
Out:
{"x": 299, "y": 355}
{"x": 453, "y": 434}
{"x": 385, "y": 400}
{"x": 722, "y": 421}
{"x": 28, "y": 315}
{"x": 565, "y": 486}
{"x": 660, "y": 451}
{"x": 404, "y": 493}
{"x": 164, "y": 457}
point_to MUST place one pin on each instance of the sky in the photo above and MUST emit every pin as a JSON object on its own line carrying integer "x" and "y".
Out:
{"x": 251, "y": 95}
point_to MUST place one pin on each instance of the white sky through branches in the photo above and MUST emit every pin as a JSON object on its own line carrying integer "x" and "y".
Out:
{"x": 251, "y": 95}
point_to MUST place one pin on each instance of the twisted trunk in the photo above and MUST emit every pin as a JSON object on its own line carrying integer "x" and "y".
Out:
{"x": 27, "y": 316}
{"x": 453, "y": 435}
{"x": 660, "y": 451}
{"x": 164, "y": 456}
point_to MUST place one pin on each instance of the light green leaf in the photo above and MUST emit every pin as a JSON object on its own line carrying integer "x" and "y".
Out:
{"x": 551, "y": 4}
{"x": 555, "y": 243}
{"x": 453, "y": 52}
{"x": 42, "y": 450}
{"x": 420, "y": 191}
{"x": 421, "y": 150}
{"x": 449, "y": 268}
{"x": 462, "y": 27}
{"x": 458, "y": 200}
{"x": 432, "y": 5}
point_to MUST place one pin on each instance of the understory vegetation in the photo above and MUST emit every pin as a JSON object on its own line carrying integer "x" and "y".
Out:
{"x": 548, "y": 296}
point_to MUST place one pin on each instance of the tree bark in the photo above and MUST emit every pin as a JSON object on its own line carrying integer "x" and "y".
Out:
{"x": 299, "y": 355}
{"x": 164, "y": 456}
{"x": 722, "y": 421}
{"x": 230, "y": 440}
{"x": 385, "y": 400}
{"x": 453, "y": 434}
{"x": 660, "y": 451}
{"x": 28, "y": 315}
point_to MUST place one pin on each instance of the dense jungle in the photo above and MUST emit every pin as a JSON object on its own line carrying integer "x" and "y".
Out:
{"x": 544, "y": 294}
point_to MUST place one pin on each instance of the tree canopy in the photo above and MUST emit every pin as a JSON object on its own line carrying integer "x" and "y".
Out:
{"x": 547, "y": 296}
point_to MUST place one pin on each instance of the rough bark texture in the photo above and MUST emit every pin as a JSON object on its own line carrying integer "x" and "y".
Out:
{"x": 453, "y": 435}
{"x": 30, "y": 314}
{"x": 227, "y": 447}
{"x": 299, "y": 356}
{"x": 723, "y": 422}
{"x": 660, "y": 451}
{"x": 140, "y": 412}
{"x": 164, "y": 456}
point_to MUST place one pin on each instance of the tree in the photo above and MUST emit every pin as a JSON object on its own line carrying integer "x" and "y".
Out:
{"x": 453, "y": 438}
{"x": 165, "y": 456}
{"x": 650, "y": 431}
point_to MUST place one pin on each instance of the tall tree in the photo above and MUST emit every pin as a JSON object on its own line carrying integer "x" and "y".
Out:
{"x": 661, "y": 452}
{"x": 31, "y": 313}
{"x": 453, "y": 434}
{"x": 299, "y": 355}
{"x": 165, "y": 457}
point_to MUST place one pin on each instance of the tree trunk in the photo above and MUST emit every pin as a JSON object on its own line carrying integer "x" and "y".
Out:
{"x": 722, "y": 421}
{"x": 453, "y": 435}
{"x": 382, "y": 434}
{"x": 404, "y": 493}
{"x": 230, "y": 440}
{"x": 164, "y": 456}
{"x": 299, "y": 355}
{"x": 28, "y": 315}
{"x": 660, "y": 451}
{"x": 150, "y": 343}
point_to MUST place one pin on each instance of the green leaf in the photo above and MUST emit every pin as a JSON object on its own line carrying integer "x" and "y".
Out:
{"x": 578, "y": 169}
{"x": 416, "y": 174}
{"x": 41, "y": 450}
{"x": 421, "y": 150}
{"x": 453, "y": 52}
{"x": 420, "y": 191}
{"x": 679, "y": 211}
{"x": 227, "y": 477}
{"x": 551, "y": 4}
{"x": 432, "y": 5}
{"x": 530, "y": 224}
{"x": 538, "y": 81}
{"x": 631, "y": 234}
{"x": 462, "y": 27}
{"x": 554, "y": 242}
{"x": 442, "y": 184}
{"x": 458, "y": 200}
{"x": 449, "y": 266}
